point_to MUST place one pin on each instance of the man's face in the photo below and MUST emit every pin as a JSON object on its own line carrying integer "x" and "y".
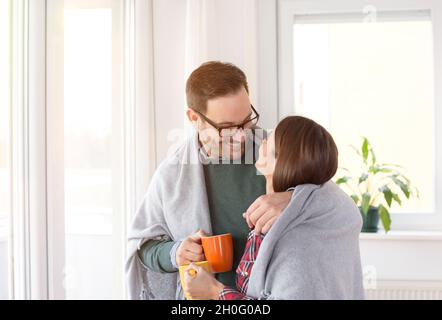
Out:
{"x": 225, "y": 111}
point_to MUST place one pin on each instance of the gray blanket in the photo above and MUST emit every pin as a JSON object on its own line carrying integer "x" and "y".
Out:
{"x": 175, "y": 206}
{"x": 312, "y": 251}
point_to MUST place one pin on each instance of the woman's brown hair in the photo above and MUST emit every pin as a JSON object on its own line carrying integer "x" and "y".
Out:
{"x": 305, "y": 154}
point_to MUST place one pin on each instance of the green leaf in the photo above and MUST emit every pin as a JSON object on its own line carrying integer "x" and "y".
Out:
{"x": 397, "y": 199}
{"x": 399, "y": 175}
{"x": 388, "y": 195}
{"x": 417, "y": 193}
{"x": 343, "y": 180}
{"x": 363, "y": 178}
{"x": 385, "y": 217}
{"x": 390, "y": 165}
{"x": 355, "y": 199}
{"x": 364, "y": 150}
{"x": 373, "y": 157}
{"x": 365, "y": 203}
{"x": 404, "y": 187}
{"x": 377, "y": 169}
{"x": 373, "y": 169}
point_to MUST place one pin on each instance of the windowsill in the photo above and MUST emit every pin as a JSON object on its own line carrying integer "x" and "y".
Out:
{"x": 403, "y": 235}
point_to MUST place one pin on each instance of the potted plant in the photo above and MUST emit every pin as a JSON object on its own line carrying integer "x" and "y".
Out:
{"x": 376, "y": 188}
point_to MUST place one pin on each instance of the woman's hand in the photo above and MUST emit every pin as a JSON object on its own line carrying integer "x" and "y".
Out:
{"x": 202, "y": 285}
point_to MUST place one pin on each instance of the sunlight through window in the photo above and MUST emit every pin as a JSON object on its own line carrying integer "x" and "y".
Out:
{"x": 374, "y": 80}
{"x": 88, "y": 116}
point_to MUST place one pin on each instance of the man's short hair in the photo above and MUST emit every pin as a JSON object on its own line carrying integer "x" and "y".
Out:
{"x": 212, "y": 80}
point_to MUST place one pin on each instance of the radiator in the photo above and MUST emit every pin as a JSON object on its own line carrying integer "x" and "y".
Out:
{"x": 404, "y": 290}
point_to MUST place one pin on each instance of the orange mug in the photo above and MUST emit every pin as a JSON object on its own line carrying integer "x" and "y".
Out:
{"x": 218, "y": 250}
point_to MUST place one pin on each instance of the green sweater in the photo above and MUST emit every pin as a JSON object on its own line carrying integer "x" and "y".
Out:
{"x": 231, "y": 189}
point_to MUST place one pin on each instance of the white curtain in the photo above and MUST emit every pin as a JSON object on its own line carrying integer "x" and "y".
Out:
{"x": 224, "y": 30}
{"x": 196, "y": 34}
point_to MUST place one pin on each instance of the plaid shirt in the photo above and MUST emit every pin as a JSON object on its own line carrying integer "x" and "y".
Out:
{"x": 244, "y": 270}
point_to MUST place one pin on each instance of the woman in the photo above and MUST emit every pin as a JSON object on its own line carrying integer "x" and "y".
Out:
{"x": 312, "y": 249}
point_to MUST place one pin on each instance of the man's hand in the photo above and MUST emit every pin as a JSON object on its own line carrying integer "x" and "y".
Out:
{"x": 190, "y": 250}
{"x": 263, "y": 213}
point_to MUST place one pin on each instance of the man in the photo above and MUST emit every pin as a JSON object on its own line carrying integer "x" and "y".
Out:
{"x": 209, "y": 184}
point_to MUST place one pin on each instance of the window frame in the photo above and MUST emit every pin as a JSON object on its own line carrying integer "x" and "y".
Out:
{"x": 20, "y": 240}
{"x": 7, "y": 237}
{"x": 27, "y": 240}
{"x": 287, "y": 9}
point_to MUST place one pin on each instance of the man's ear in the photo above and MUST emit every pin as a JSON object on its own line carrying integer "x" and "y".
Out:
{"x": 192, "y": 116}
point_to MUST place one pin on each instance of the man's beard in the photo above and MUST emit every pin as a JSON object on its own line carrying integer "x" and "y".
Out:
{"x": 231, "y": 150}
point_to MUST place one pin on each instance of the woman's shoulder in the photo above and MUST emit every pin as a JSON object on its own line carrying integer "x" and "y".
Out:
{"x": 330, "y": 201}
{"x": 342, "y": 205}
{"x": 333, "y": 193}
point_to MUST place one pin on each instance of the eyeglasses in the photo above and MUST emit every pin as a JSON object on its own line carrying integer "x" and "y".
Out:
{"x": 230, "y": 131}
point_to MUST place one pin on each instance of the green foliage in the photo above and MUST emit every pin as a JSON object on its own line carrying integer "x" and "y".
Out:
{"x": 379, "y": 185}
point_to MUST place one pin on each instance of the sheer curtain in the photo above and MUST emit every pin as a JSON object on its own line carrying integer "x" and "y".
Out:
{"x": 223, "y": 30}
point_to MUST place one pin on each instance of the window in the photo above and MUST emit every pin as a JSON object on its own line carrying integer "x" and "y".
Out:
{"x": 77, "y": 143}
{"x": 88, "y": 144}
{"x": 91, "y": 147}
{"x": 375, "y": 80}
{"x": 5, "y": 192}
{"x": 370, "y": 70}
